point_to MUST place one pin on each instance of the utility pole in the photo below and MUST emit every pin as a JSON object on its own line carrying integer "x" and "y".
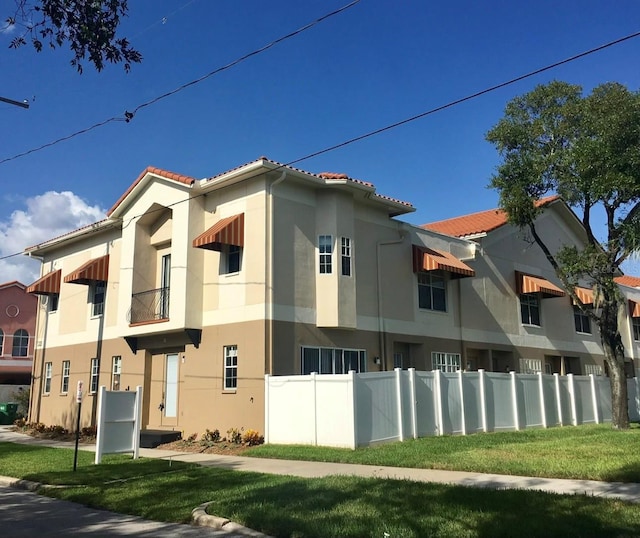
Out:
{"x": 23, "y": 104}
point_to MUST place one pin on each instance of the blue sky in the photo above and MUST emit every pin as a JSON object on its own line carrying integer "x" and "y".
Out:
{"x": 372, "y": 65}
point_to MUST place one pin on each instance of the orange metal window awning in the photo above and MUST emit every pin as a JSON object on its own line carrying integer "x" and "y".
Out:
{"x": 634, "y": 309}
{"x": 535, "y": 284}
{"x": 49, "y": 284}
{"x": 585, "y": 295}
{"x": 96, "y": 270}
{"x": 428, "y": 259}
{"x": 228, "y": 231}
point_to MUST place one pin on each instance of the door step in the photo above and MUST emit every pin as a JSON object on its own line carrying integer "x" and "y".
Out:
{"x": 154, "y": 438}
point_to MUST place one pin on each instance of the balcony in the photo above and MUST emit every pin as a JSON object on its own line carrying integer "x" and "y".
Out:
{"x": 149, "y": 306}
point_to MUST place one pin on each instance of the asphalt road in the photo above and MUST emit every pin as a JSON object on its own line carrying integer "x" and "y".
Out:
{"x": 23, "y": 513}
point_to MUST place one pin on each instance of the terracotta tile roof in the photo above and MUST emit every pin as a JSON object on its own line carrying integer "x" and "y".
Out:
{"x": 158, "y": 172}
{"x": 327, "y": 176}
{"x": 12, "y": 283}
{"x": 88, "y": 228}
{"x": 475, "y": 223}
{"x": 628, "y": 280}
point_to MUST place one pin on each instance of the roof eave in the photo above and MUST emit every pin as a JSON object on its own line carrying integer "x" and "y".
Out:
{"x": 80, "y": 233}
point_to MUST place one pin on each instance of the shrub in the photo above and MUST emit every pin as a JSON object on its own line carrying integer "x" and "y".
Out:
{"x": 89, "y": 431}
{"x": 21, "y": 397}
{"x": 253, "y": 438}
{"x": 235, "y": 435}
{"x": 20, "y": 423}
{"x": 211, "y": 436}
{"x": 56, "y": 429}
{"x": 192, "y": 438}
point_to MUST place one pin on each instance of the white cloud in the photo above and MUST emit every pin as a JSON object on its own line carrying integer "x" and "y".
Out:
{"x": 46, "y": 216}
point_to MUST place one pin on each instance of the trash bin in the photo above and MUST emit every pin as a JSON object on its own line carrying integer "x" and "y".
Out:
{"x": 4, "y": 417}
{"x": 12, "y": 411}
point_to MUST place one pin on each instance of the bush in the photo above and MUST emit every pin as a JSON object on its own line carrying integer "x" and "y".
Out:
{"x": 89, "y": 431}
{"x": 192, "y": 438}
{"x": 211, "y": 436}
{"x": 253, "y": 438}
{"x": 21, "y": 397}
{"x": 56, "y": 429}
{"x": 20, "y": 423}
{"x": 234, "y": 435}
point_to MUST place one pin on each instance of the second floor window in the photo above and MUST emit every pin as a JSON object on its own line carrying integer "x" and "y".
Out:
{"x": 530, "y": 309}
{"x": 97, "y": 298}
{"x": 20, "y": 343}
{"x": 582, "y": 321}
{"x": 432, "y": 291}
{"x": 325, "y": 250}
{"x": 345, "y": 251}
{"x": 233, "y": 254}
{"x": 635, "y": 322}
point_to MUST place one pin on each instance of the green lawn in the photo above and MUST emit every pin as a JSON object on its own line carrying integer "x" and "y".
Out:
{"x": 594, "y": 452}
{"x": 334, "y": 506}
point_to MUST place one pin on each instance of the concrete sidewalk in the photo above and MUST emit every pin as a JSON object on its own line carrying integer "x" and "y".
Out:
{"x": 629, "y": 492}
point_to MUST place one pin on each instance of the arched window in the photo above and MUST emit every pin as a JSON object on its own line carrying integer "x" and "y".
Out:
{"x": 1, "y": 342}
{"x": 20, "y": 343}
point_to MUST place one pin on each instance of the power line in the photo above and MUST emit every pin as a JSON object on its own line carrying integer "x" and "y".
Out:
{"x": 129, "y": 115}
{"x": 421, "y": 115}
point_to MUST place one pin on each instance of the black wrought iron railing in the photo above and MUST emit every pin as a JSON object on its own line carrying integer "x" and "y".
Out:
{"x": 150, "y": 305}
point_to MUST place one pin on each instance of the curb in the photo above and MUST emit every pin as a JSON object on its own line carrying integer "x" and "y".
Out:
{"x": 199, "y": 517}
{"x": 18, "y": 483}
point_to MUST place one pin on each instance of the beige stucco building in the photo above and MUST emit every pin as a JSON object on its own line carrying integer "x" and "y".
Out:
{"x": 195, "y": 289}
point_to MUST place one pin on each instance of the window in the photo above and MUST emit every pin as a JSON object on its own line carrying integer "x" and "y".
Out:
{"x": 530, "y": 366}
{"x": 432, "y": 291}
{"x": 327, "y": 360}
{"x": 530, "y": 309}
{"x": 325, "y": 248}
{"x": 52, "y": 303}
{"x": 582, "y": 321}
{"x": 635, "y": 322}
{"x": 116, "y": 370}
{"x": 345, "y": 249}
{"x": 233, "y": 255}
{"x": 20, "y": 343}
{"x": 1, "y": 342}
{"x": 95, "y": 374}
{"x": 445, "y": 362}
{"x": 397, "y": 360}
{"x": 66, "y": 369}
{"x": 97, "y": 298}
{"x": 46, "y": 388}
{"x": 165, "y": 284}
{"x": 230, "y": 367}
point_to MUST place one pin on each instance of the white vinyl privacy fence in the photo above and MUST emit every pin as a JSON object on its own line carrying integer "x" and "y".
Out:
{"x": 350, "y": 410}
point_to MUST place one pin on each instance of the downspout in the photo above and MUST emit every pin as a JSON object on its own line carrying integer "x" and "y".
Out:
{"x": 382, "y": 335}
{"x": 269, "y": 295}
{"x": 35, "y": 346}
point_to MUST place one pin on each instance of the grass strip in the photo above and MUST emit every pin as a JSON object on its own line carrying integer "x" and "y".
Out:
{"x": 591, "y": 452}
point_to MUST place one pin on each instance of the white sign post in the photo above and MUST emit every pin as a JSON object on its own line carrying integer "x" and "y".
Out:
{"x": 79, "y": 402}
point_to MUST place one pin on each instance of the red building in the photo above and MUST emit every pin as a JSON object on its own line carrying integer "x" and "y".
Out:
{"x": 17, "y": 333}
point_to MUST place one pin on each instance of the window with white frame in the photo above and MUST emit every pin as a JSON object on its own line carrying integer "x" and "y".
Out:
{"x": 48, "y": 369}
{"x": 582, "y": 320}
{"x": 116, "y": 370}
{"x": 98, "y": 290}
{"x": 594, "y": 369}
{"x": 20, "y": 343}
{"x": 325, "y": 251}
{"x": 329, "y": 360}
{"x": 231, "y": 259}
{"x": 345, "y": 251}
{"x": 432, "y": 291}
{"x": 530, "y": 366}
{"x": 95, "y": 375}
{"x": 230, "y": 367}
{"x": 530, "y": 309}
{"x": 445, "y": 362}
{"x": 66, "y": 370}
{"x": 52, "y": 302}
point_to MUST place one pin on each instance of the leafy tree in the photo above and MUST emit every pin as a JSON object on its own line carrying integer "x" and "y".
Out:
{"x": 88, "y": 26}
{"x": 586, "y": 149}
